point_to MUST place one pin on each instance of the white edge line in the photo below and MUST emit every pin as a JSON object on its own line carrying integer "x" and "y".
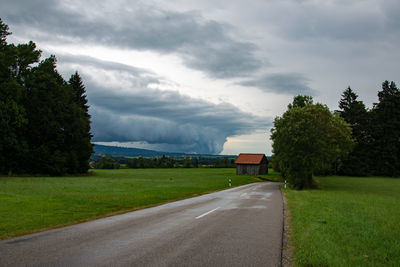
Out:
{"x": 208, "y": 212}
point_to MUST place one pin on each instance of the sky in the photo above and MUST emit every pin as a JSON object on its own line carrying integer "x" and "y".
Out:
{"x": 210, "y": 76}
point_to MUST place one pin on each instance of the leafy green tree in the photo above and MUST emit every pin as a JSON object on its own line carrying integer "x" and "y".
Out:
{"x": 301, "y": 101}
{"x": 307, "y": 139}
{"x": 107, "y": 163}
{"x": 44, "y": 121}
{"x": 358, "y": 162}
{"x": 217, "y": 163}
{"x": 133, "y": 163}
{"x": 47, "y": 104}
{"x": 226, "y": 163}
{"x": 188, "y": 162}
{"x": 196, "y": 162}
{"x": 386, "y": 131}
{"x": 142, "y": 162}
{"x": 14, "y": 68}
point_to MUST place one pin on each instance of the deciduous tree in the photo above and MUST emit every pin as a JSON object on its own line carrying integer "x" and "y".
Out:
{"x": 307, "y": 139}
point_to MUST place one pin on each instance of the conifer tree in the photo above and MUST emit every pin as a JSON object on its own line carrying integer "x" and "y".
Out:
{"x": 386, "y": 131}
{"x": 82, "y": 136}
{"x": 354, "y": 112}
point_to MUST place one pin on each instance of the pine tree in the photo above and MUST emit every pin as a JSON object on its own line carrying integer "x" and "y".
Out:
{"x": 3, "y": 33}
{"x": 79, "y": 92}
{"x": 386, "y": 131}
{"x": 80, "y": 132}
{"x": 354, "y": 112}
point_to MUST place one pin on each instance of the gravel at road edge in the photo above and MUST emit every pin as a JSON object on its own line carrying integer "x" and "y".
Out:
{"x": 286, "y": 250}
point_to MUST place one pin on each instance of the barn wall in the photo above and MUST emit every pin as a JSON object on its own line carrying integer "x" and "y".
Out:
{"x": 264, "y": 166}
{"x": 247, "y": 169}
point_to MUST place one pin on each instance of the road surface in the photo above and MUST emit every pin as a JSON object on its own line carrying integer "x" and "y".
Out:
{"x": 241, "y": 226}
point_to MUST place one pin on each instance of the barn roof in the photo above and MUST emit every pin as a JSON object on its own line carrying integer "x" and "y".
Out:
{"x": 246, "y": 158}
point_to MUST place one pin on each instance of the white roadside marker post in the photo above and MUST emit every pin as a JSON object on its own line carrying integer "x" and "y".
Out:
{"x": 230, "y": 182}
{"x": 285, "y": 184}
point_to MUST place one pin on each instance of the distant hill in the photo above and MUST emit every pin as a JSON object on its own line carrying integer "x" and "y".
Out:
{"x": 129, "y": 152}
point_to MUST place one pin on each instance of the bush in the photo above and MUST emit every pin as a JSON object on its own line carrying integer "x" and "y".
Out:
{"x": 107, "y": 163}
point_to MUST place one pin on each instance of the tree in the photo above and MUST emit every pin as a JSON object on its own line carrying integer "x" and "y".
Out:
{"x": 79, "y": 92}
{"x": 48, "y": 107}
{"x": 142, "y": 162}
{"x": 301, "y": 101}
{"x": 14, "y": 69}
{"x": 196, "y": 162}
{"x": 188, "y": 162}
{"x": 307, "y": 139}
{"x": 107, "y": 163}
{"x": 354, "y": 112}
{"x": 79, "y": 134}
{"x": 3, "y": 33}
{"x": 44, "y": 121}
{"x": 385, "y": 129}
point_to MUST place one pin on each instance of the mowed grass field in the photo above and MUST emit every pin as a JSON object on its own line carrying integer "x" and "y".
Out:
{"x": 29, "y": 204}
{"x": 349, "y": 221}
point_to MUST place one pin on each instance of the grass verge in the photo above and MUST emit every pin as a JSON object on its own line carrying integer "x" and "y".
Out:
{"x": 349, "y": 221}
{"x": 30, "y": 204}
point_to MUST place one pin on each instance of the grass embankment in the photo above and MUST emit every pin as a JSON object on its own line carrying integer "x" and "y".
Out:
{"x": 29, "y": 204}
{"x": 347, "y": 222}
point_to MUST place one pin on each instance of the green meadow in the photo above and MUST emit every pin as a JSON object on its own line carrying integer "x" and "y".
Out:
{"x": 30, "y": 204}
{"x": 348, "y": 221}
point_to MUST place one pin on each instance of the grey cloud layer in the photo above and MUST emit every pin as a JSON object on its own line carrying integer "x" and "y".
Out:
{"x": 203, "y": 44}
{"x": 167, "y": 118}
{"x": 351, "y": 21}
{"x": 288, "y": 83}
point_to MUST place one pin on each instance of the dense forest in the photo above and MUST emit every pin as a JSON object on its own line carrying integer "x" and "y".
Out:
{"x": 376, "y": 133}
{"x": 141, "y": 162}
{"x": 44, "y": 120}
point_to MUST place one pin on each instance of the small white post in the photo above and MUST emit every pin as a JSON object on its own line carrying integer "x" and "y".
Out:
{"x": 285, "y": 184}
{"x": 230, "y": 182}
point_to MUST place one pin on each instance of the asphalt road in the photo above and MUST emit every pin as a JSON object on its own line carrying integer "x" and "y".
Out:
{"x": 241, "y": 226}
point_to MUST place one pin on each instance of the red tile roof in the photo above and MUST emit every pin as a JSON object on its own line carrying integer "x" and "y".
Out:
{"x": 245, "y": 158}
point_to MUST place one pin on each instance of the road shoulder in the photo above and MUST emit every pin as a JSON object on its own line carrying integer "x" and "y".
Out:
{"x": 286, "y": 249}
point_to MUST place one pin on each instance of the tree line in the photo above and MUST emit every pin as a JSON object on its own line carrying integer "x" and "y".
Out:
{"x": 142, "y": 162}
{"x": 309, "y": 139}
{"x": 376, "y": 133}
{"x": 44, "y": 120}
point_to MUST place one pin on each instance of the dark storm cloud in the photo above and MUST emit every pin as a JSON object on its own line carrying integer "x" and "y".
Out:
{"x": 288, "y": 83}
{"x": 135, "y": 112}
{"x": 203, "y": 44}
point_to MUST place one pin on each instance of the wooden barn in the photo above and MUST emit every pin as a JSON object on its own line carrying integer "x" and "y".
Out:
{"x": 251, "y": 164}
